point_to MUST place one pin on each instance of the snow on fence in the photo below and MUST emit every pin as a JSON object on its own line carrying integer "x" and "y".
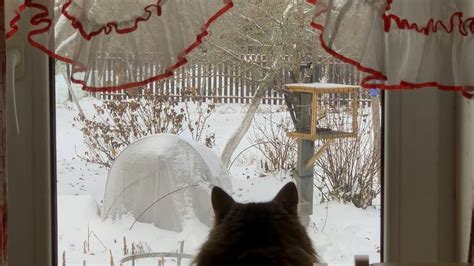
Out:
{"x": 225, "y": 82}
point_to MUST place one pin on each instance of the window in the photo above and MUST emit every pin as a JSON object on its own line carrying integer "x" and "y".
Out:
{"x": 417, "y": 191}
{"x": 93, "y": 188}
{"x": 123, "y": 190}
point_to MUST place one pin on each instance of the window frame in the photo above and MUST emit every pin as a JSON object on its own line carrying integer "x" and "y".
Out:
{"x": 420, "y": 155}
{"x": 29, "y": 164}
{"x": 405, "y": 236}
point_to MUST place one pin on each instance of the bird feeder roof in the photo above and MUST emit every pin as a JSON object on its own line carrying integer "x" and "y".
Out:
{"x": 318, "y": 87}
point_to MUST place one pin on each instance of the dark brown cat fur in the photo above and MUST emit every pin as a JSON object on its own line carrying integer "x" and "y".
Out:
{"x": 263, "y": 234}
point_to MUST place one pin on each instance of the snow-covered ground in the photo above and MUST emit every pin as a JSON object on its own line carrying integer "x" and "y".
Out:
{"x": 339, "y": 231}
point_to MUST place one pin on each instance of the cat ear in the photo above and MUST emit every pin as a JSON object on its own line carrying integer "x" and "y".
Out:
{"x": 221, "y": 203}
{"x": 288, "y": 198}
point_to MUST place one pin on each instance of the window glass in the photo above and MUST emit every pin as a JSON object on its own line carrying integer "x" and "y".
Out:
{"x": 135, "y": 166}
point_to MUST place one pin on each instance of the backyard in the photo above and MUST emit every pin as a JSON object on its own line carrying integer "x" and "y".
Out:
{"x": 228, "y": 107}
{"x": 338, "y": 228}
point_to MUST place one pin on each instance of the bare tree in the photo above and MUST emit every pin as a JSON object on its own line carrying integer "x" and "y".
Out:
{"x": 276, "y": 30}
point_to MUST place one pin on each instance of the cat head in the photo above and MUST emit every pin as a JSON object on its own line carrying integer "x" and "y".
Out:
{"x": 222, "y": 202}
{"x": 257, "y": 233}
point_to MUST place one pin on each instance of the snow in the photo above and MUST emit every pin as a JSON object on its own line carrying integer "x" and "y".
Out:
{"x": 62, "y": 92}
{"x": 321, "y": 86}
{"x": 339, "y": 231}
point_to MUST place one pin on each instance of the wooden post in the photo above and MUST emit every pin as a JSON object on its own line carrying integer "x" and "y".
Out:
{"x": 112, "y": 263}
{"x": 133, "y": 253}
{"x": 361, "y": 260}
{"x": 305, "y": 152}
{"x": 181, "y": 250}
{"x": 125, "y": 248}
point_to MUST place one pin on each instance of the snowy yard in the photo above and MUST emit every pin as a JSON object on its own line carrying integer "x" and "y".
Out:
{"x": 339, "y": 231}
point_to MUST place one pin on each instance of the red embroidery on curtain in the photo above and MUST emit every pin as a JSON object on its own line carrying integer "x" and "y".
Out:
{"x": 375, "y": 75}
{"x": 112, "y": 25}
{"x": 42, "y": 19}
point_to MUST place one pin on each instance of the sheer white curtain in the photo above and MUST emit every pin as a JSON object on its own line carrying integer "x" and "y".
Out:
{"x": 399, "y": 44}
{"x": 402, "y": 44}
{"x": 130, "y": 34}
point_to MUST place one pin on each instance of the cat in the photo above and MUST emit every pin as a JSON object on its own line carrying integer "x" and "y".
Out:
{"x": 263, "y": 234}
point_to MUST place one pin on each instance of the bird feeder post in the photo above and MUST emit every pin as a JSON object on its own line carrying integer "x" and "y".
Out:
{"x": 305, "y": 152}
{"x": 314, "y": 112}
{"x": 305, "y": 179}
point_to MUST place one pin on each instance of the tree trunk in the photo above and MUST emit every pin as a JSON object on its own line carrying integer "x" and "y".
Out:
{"x": 375, "y": 105}
{"x": 244, "y": 126}
{"x": 71, "y": 94}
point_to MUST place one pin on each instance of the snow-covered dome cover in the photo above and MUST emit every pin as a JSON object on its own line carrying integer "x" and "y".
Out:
{"x": 155, "y": 166}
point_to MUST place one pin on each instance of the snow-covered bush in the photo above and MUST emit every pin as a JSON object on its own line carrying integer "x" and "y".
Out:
{"x": 120, "y": 121}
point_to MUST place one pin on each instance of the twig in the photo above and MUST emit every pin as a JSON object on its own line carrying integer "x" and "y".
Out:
{"x": 251, "y": 146}
{"x": 156, "y": 201}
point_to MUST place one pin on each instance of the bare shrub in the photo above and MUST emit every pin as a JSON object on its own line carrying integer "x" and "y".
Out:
{"x": 348, "y": 169}
{"x": 120, "y": 121}
{"x": 279, "y": 150}
{"x": 198, "y": 112}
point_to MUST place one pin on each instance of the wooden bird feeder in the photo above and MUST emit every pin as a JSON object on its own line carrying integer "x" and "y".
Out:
{"x": 312, "y": 104}
{"x": 322, "y": 111}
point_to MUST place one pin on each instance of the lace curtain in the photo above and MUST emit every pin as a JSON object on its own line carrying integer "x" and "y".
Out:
{"x": 399, "y": 44}
{"x": 402, "y": 44}
{"x": 87, "y": 33}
